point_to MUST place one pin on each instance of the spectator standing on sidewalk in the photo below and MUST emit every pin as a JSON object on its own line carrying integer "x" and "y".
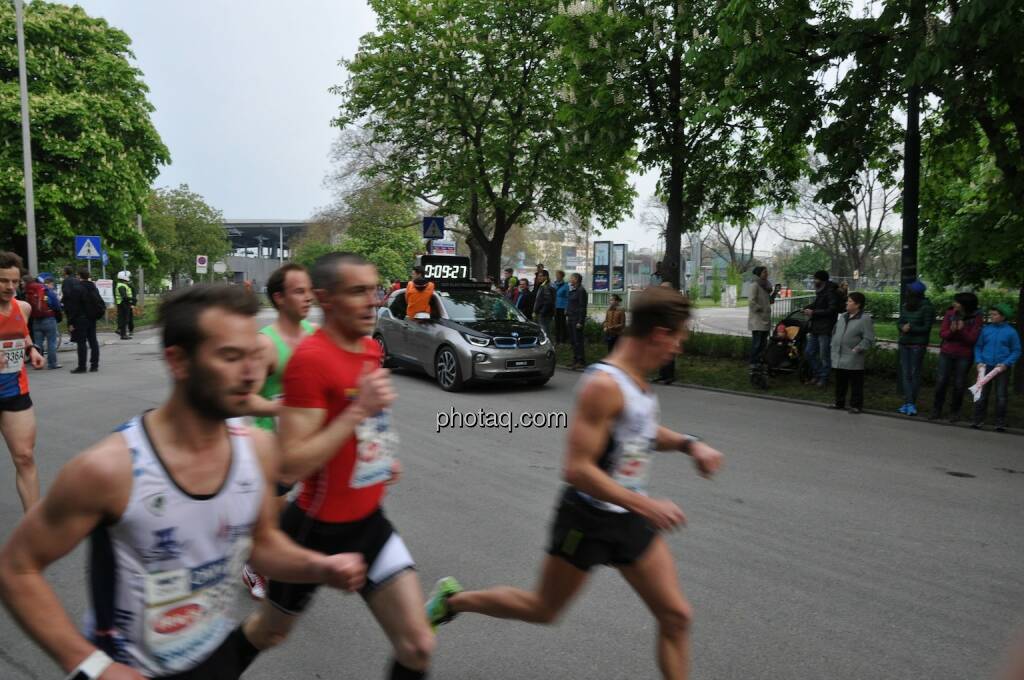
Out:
{"x": 576, "y": 318}
{"x": 853, "y": 337}
{"x": 524, "y": 299}
{"x": 88, "y": 308}
{"x": 561, "y": 302}
{"x": 961, "y": 326}
{"x": 656, "y": 276}
{"x": 915, "y": 324}
{"x": 822, "y": 314}
{"x": 544, "y": 303}
{"x": 124, "y": 299}
{"x": 614, "y": 321}
{"x": 998, "y": 345}
{"x": 759, "y": 313}
{"x": 45, "y": 308}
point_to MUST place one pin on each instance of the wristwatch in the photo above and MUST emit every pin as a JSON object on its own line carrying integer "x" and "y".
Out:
{"x": 688, "y": 441}
{"x": 92, "y": 667}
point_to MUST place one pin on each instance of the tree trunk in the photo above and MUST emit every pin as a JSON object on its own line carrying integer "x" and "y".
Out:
{"x": 477, "y": 259}
{"x": 674, "y": 227}
{"x": 493, "y": 251}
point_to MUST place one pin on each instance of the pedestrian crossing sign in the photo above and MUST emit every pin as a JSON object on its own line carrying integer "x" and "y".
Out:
{"x": 88, "y": 248}
{"x": 433, "y": 227}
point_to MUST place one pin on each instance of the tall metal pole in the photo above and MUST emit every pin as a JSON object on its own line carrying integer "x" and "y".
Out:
{"x": 911, "y": 164}
{"x": 26, "y": 143}
{"x": 142, "y": 276}
{"x": 280, "y": 246}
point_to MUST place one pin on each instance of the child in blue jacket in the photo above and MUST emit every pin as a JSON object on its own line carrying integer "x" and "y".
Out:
{"x": 998, "y": 345}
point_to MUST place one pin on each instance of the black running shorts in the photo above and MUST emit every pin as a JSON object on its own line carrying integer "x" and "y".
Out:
{"x": 585, "y": 536}
{"x": 227, "y": 662}
{"x": 22, "y": 402}
{"x": 383, "y": 549}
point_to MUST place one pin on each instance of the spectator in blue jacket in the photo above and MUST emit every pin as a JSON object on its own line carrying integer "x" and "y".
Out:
{"x": 561, "y": 302}
{"x": 998, "y": 345}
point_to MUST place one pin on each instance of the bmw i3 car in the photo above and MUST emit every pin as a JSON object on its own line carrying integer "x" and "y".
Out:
{"x": 473, "y": 335}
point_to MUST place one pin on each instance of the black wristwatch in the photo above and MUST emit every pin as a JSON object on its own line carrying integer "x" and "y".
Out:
{"x": 689, "y": 441}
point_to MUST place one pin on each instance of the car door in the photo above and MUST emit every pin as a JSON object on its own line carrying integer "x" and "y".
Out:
{"x": 392, "y": 327}
{"x": 423, "y": 337}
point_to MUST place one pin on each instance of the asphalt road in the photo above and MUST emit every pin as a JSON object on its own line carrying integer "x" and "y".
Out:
{"x": 831, "y": 546}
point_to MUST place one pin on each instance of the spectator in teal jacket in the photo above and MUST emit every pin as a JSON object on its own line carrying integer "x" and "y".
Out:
{"x": 915, "y": 324}
{"x": 998, "y": 345}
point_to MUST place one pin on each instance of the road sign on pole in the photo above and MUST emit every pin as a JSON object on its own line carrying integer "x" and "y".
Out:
{"x": 433, "y": 227}
{"x": 88, "y": 248}
{"x": 219, "y": 267}
{"x": 202, "y": 262}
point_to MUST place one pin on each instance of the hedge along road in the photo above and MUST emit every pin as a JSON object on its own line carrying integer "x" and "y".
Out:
{"x": 830, "y": 546}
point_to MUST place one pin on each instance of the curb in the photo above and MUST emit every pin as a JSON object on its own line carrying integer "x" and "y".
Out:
{"x": 804, "y": 402}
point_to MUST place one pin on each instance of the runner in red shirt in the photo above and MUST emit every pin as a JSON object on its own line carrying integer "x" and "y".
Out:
{"x": 336, "y": 437}
{"x": 17, "y": 418}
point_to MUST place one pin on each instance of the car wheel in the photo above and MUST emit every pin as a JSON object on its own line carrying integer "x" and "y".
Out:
{"x": 447, "y": 371}
{"x": 385, "y": 361}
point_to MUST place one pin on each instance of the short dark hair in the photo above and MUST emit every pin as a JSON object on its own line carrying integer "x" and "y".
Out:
{"x": 508, "y": 269}
{"x": 84, "y": 274}
{"x": 967, "y": 300}
{"x": 758, "y": 269}
{"x": 275, "y": 284}
{"x": 69, "y": 270}
{"x": 417, "y": 269}
{"x": 576, "y": 275}
{"x": 325, "y": 273}
{"x": 657, "y": 307}
{"x": 559, "y": 271}
{"x": 180, "y": 311}
{"x": 9, "y": 259}
{"x": 821, "y": 275}
{"x": 859, "y": 298}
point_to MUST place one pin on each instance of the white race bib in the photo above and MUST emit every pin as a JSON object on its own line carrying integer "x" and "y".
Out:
{"x": 13, "y": 355}
{"x": 376, "y": 443}
{"x": 189, "y": 611}
{"x": 632, "y": 469}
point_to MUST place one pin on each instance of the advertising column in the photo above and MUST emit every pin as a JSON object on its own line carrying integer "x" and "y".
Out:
{"x": 602, "y": 266}
{"x": 618, "y": 284}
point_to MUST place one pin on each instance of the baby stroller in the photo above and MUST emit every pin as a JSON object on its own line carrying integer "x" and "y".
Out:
{"x": 785, "y": 351}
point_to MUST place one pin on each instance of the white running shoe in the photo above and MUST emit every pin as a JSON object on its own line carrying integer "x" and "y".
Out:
{"x": 256, "y": 584}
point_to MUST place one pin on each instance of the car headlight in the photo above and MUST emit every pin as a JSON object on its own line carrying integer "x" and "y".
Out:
{"x": 476, "y": 340}
{"x": 543, "y": 338}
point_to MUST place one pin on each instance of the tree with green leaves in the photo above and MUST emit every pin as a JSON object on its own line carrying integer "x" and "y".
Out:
{"x": 370, "y": 222}
{"x": 655, "y": 72}
{"x": 95, "y": 151}
{"x": 179, "y": 225}
{"x": 463, "y": 96}
{"x": 803, "y": 263}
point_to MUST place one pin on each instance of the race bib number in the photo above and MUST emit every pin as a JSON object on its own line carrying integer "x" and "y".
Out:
{"x": 376, "y": 444}
{"x": 633, "y": 467}
{"x": 189, "y": 612}
{"x": 12, "y": 355}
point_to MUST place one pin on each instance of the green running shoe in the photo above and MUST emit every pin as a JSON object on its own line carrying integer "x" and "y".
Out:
{"x": 438, "y": 612}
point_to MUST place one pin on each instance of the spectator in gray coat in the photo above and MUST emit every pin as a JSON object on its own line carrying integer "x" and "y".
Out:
{"x": 853, "y": 336}
{"x": 759, "y": 313}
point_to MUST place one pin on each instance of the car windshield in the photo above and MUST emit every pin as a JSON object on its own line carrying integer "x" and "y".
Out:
{"x": 477, "y": 305}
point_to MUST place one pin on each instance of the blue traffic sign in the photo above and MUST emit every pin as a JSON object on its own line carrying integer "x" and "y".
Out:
{"x": 88, "y": 248}
{"x": 433, "y": 227}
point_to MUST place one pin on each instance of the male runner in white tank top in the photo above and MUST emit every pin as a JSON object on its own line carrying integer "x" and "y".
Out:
{"x": 173, "y": 502}
{"x": 605, "y": 515}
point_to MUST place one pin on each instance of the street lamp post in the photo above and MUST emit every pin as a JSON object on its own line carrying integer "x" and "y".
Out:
{"x": 26, "y": 143}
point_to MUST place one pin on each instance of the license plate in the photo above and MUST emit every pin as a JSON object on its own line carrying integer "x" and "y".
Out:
{"x": 519, "y": 363}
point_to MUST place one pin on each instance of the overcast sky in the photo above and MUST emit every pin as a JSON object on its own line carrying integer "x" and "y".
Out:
{"x": 240, "y": 90}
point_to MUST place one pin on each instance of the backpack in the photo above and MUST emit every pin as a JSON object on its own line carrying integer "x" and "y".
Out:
{"x": 95, "y": 305}
{"x": 35, "y": 296}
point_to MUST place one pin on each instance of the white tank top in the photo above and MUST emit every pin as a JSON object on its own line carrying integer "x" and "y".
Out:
{"x": 164, "y": 577}
{"x": 627, "y": 457}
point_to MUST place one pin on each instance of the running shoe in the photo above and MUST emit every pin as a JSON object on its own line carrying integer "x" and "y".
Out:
{"x": 903, "y": 409}
{"x": 911, "y": 410}
{"x": 438, "y": 612}
{"x": 256, "y": 584}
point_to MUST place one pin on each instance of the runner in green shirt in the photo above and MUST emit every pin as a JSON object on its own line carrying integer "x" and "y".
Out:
{"x": 291, "y": 293}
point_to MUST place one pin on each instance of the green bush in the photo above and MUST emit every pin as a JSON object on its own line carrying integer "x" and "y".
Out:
{"x": 885, "y": 306}
{"x": 717, "y": 346}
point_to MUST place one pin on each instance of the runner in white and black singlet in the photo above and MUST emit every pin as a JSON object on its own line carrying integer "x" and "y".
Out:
{"x": 605, "y": 515}
{"x": 173, "y": 503}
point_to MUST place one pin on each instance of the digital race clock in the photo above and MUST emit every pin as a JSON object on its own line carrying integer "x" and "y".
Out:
{"x": 445, "y": 267}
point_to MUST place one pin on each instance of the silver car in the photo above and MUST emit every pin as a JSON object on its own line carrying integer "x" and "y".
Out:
{"x": 473, "y": 335}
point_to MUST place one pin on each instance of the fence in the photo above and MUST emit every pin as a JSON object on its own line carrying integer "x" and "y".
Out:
{"x": 783, "y": 307}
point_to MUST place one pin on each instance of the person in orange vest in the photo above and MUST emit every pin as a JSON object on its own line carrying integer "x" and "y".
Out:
{"x": 418, "y": 294}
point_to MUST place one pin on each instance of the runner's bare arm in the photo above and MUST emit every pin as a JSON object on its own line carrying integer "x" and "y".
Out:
{"x": 707, "y": 459}
{"x": 258, "y": 405}
{"x": 35, "y": 359}
{"x": 277, "y": 556}
{"x": 92, "y": 487}
{"x": 308, "y": 444}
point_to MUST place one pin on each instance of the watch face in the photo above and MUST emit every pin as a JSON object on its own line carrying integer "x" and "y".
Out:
{"x": 443, "y": 267}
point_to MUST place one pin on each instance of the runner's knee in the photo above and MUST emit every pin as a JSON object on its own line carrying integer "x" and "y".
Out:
{"x": 265, "y": 632}
{"x": 23, "y": 458}
{"x": 415, "y": 650}
{"x": 676, "y": 620}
